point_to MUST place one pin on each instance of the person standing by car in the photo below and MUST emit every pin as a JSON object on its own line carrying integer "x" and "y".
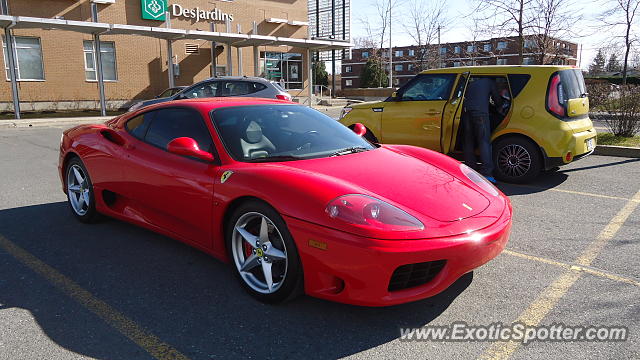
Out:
{"x": 477, "y": 124}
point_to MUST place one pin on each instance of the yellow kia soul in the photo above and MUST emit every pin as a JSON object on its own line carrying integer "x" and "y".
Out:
{"x": 543, "y": 121}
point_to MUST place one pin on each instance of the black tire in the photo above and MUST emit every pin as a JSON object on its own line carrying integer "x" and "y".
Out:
{"x": 292, "y": 284}
{"x": 517, "y": 160}
{"x": 86, "y": 213}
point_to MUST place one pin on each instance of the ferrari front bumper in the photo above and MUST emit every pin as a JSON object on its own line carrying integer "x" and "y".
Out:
{"x": 351, "y": 269}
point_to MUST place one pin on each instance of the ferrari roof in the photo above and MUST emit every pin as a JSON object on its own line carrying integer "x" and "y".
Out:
{"x": 207, "y": 104}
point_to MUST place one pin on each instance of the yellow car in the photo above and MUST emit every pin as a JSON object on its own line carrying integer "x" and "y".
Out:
{"x": 542, "y": 123}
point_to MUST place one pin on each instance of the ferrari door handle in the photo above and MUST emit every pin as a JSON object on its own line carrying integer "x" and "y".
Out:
{"x": 433, "y": 113}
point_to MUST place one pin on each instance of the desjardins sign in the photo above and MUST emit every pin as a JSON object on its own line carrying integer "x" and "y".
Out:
{"x": 200, "y": 14}
{"x": 156, "y": 10}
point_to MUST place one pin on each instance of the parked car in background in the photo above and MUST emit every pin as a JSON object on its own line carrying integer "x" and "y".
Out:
{"x": 542, "y": 124}
{"x": 171, "y": 91}
{"x": 222, "y": 87}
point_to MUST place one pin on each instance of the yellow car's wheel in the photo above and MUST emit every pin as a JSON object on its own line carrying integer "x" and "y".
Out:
{"x": 517, "y": 160}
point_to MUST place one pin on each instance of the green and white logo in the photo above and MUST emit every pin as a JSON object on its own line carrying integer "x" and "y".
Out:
{"x": 154, "y": 9}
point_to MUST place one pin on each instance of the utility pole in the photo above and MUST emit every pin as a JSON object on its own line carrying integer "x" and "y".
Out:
{"x": 333, "y": 51}
{"x": 439, "y": 51}
{"x": 580, "y": 56}
{"x": 390, "y": 50}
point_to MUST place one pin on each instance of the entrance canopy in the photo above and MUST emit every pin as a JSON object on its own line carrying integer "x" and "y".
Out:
{"x": 236, "y": 40}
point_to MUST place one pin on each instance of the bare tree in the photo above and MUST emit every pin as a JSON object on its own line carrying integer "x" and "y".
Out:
{"x": 478, "y": 29}
{"x": 508, "y": 17}
{"x": 553, "y": 19}
{"x": 424, "y": 20}
{"x": 621, "y": 17}
{"x": 376, "y": 29}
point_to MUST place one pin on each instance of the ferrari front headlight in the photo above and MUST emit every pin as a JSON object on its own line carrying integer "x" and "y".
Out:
{"x": 479, "y": 180}
{"x": 368, "y": 212}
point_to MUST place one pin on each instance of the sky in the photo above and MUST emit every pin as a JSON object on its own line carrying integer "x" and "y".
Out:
{"x": 457, "y": 31}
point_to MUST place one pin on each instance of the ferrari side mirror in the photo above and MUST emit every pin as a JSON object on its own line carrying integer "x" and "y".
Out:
{"x": 359, "y": 129}
{"x": 186, "y": 146}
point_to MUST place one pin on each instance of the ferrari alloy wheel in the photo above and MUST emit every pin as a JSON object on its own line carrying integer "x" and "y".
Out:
{"x": 517, "y": 160}
{"x": 80, "y": 191}
{"x": 263, "y": 253}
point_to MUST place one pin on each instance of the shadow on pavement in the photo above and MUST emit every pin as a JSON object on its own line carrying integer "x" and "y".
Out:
{"x": 186, "y": 298}
{"x": 547, "y": 180}
{"x": 601, "y": 165}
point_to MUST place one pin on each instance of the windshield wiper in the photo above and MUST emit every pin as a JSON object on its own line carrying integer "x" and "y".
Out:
{"x": 350, "y": 150}
{"x": 276, "y": 158}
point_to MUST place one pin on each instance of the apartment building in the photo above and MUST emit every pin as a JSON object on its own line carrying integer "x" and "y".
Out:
{"x": 409, "y": 60}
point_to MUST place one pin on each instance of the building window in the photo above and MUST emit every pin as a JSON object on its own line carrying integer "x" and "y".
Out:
{"x": 399, "y": 53}
{"x": 385, "y": 54}
{"x": 28, "y": 58}
{"x": 456, "y": 64}
{"x": 108, "y": 53}
{"x": 502, "y": 62}
{"x": 348, "y": 69}
{"x": 456, "y": 49}
{"x": 471, "y": 48}
{"x": 410, "y": 67}
{"x": 365, "y": 54}
{"x": 398, "y": 67}
{"x": 502, "y": 45}
{"x": 412, "y": 52}
{"x": 528, "y": 61}
{"x": 348, "y": 82}
{"x": 443, "y": 50}
{"x": 486, "y": 47}
{"x": 281, "y": 66}
{"x": 529, "y": 44}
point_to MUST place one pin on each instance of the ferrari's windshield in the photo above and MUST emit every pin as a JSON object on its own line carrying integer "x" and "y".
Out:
{"x": 276, "y": 132}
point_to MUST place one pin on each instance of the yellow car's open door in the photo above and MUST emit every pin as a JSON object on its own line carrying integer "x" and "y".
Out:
{"x": 451, "y": 115}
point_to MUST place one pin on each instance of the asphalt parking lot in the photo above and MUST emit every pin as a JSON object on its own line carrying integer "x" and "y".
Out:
{"x": 115, "y": 291}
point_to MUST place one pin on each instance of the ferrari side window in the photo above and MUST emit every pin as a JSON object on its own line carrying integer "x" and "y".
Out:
{"x": 138, "y": 125}
{"x": 170, "y": 124}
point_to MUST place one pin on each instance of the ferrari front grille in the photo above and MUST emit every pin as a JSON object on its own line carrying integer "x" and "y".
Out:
{"x": 411, "y": 275}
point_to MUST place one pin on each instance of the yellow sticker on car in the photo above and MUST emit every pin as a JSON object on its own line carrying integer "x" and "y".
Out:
{"x": 225, "y": 176}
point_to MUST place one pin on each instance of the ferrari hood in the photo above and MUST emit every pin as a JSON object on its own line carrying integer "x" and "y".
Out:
{"x": 411, "y": 183}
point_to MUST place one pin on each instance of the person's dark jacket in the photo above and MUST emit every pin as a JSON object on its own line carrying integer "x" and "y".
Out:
{"x": 476, "y": 98}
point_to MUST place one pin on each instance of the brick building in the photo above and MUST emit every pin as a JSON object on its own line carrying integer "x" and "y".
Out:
{"x": 409, "y": 60}
{"x": 55, "y": 53}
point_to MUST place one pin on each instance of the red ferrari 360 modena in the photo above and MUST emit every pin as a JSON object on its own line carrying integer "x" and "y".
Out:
{"x": 295, "y": 201}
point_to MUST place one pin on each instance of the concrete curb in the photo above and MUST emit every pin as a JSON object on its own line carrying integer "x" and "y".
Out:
{"x": 622, "y": 151}
{"x": 27, "y": 123}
